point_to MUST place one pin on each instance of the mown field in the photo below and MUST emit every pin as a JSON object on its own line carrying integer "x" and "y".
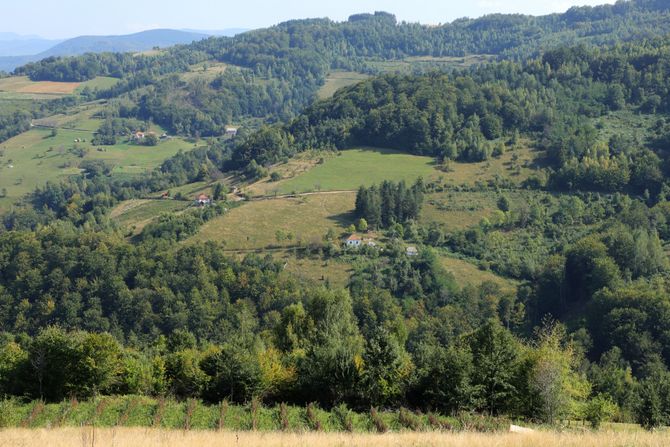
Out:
{"x": 20, "y": 87}
{"x": 254, "y": 225}
{"x": 352, "y": 168}
{"x": 337, "y": 80}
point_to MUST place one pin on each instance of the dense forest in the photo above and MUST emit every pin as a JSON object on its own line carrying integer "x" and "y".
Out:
{"x": 87, "y": 309}
{"x": 279, "y": 69}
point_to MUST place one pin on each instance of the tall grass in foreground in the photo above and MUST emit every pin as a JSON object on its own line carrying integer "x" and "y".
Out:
{"x": 143, "y": 437}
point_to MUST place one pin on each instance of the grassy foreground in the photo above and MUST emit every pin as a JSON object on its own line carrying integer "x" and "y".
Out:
{"x": 131, "y": 437}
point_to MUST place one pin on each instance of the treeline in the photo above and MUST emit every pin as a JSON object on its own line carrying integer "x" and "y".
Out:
{"x": 304, "y": 47}
{"x": 116, "y": 65}
{"x": 112, "y": 128}
{"x": 389, "y": 203}
{"x": 14, "y": 123}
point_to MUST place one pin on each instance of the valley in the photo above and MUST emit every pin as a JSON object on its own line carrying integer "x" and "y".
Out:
{"x": 367, "y": 231}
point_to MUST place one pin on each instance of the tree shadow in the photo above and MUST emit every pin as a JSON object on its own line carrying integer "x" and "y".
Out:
{"x": 343, "y": 219}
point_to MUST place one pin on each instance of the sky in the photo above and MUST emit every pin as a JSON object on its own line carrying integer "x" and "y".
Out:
{"x": 68, "y": 18}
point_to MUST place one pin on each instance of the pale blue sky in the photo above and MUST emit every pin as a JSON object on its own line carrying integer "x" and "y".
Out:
{"x": 68, "y": 18}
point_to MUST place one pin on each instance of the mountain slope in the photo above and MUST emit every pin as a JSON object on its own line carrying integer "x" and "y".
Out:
{"x": 20, "y": 46}
{"x": 141, "y": 41}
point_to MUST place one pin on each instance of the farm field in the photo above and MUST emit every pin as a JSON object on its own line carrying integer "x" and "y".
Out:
{"x": 35, "y": 157}
{"x": 337, "y": 80}
{"x": 254, "y": 225}
{"x": 193, "y": 414}
{"x": 20, "y": 87}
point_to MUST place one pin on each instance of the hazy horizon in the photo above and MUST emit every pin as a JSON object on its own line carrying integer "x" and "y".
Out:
{"x": 71, "y": 18}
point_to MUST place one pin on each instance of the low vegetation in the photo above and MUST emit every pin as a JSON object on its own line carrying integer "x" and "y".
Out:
{"x": 141, "y": 437}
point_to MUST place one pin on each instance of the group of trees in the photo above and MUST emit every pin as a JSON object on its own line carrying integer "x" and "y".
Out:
{"x": 389, "y": 203}
{"x": 112, "y": 128}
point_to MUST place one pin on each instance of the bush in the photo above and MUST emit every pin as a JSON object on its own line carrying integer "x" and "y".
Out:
{"x": 598, "y": 410}
{"x": 378, "y": 422}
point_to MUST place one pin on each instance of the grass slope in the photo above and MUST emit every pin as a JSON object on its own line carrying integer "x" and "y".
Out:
{"x": 337, "y": 80}
{"x": 22, "y": 88}
{"x": 137, "y": 213}
{"x": 352, "y": 168}
{"x": 466, "y": 273}
{"x": 254, "y": 224}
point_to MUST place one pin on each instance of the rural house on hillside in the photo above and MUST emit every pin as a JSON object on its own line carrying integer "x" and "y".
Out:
{"x": 203, "y": 199}
{"x": 353, "y": 241}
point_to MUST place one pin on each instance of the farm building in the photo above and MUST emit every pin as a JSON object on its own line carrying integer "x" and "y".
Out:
{"x": 203, "y": 199}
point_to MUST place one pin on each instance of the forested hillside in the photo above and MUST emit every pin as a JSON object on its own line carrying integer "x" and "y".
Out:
{"x": 294, "y": 58}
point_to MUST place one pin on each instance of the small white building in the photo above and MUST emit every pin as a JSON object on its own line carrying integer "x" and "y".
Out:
{"x": 412, "y": 251}
{"x": 203, "y": 199}
{"x": 231, "y": 131}
{"x": 353, "y": 241}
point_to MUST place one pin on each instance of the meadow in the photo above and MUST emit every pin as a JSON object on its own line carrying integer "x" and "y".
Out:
{"x": 20, "y": 87}
{"x": 458, "y": 210}
{"x": 337, "y": 80}
{"x": 135, "y": 214}
{"x": 35, "y": 157}
{"x": 467, "y": 273}
{"x": 427, "y": 63}
{"x": 349, "y": 169}
{"x": 254, "y": 225}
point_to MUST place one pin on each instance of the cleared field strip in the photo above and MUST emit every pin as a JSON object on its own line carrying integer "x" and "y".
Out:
{"x": 255, "y": 224}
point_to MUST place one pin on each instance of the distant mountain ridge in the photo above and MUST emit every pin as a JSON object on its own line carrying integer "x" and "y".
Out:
{"x": 142, "y": 41}
{"x": 12, "y": 44}
{"x": 226, "y": 32}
